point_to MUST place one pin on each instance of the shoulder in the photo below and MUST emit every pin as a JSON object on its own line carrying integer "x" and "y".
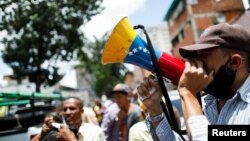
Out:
{"x": 89, "y": 125}
{"x": 139, "y": 131}
{"x": 139, "y": 125}
{"x": 112, "y": 109}
{"x": 92, "y": 127}
{"x": 93, "y": 132}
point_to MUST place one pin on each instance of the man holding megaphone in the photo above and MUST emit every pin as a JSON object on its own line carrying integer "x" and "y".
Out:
{"x": 218, "y": 66}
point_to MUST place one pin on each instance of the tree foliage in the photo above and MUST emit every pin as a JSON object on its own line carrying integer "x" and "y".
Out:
{"x": 105, "y": 76}
{"x": 43, "y": 31}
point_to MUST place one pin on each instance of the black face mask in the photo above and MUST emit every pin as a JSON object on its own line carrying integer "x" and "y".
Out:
{"x": 222, "y": 83}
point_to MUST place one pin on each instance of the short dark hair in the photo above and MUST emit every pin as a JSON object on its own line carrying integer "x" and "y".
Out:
{"x": 244, "y": 54}
{"x": 248, "y": 61}
{"x": 56, "y": 117}
{"x": 247, "y": 57}
{"x": 81, "y": 103}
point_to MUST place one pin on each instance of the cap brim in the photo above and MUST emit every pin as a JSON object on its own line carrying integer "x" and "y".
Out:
{"x": 190, "y": 51}
{"x": 118, "y": 91}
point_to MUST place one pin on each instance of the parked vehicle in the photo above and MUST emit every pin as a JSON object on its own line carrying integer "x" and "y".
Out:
{"x": 18, "y": 111}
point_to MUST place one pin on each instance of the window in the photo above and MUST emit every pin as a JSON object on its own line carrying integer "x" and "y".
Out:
{"x": 175, "y": 41}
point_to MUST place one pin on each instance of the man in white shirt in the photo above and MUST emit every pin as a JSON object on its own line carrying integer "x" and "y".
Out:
{"x": 73, "y": 110}
{"x": 74, "y": 128}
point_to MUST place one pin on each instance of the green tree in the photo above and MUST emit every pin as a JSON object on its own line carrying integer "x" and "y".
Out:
{"x": 104, "y": 76}
{"x": 43, "y": 31}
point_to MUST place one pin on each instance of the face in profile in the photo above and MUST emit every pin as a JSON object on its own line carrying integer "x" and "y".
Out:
{"x": 212, "y": 59}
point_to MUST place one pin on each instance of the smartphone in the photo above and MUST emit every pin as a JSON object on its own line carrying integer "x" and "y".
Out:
{"x": 56, "y": 125}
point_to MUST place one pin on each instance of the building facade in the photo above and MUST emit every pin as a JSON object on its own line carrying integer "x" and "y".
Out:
{"x": 159, "y": 36}
{"x": 188, "y": 18}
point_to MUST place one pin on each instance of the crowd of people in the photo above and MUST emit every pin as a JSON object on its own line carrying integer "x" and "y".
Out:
{"x": 112, "y": 122}
{"x": 217, "y": 68}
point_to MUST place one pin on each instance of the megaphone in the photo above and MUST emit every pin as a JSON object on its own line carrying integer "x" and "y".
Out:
{"x": 125, "y": 46}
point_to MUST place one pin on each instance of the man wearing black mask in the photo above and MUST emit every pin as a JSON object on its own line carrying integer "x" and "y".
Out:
{"x": 218, "y": 66}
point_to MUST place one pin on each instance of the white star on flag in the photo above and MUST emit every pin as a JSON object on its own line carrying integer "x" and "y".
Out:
{"x": 130, "y": 53}
{"x": 134, "y": 50}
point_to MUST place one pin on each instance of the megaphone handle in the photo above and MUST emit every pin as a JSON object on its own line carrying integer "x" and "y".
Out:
{"x": 170, "y": 112}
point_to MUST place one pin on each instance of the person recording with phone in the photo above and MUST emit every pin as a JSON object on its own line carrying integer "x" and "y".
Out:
{"x": 72, "y": 128}
{"x": 218, "y": 67}
{"x": 48, "y": 132}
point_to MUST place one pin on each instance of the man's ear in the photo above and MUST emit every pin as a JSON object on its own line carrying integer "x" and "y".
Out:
{"x": 236, "y": 61}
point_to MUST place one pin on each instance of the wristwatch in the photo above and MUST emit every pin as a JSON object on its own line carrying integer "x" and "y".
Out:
{"x": 157, "y": 118}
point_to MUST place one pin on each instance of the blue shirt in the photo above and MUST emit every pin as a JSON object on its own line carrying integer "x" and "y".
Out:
{"x": 235, "y": 111}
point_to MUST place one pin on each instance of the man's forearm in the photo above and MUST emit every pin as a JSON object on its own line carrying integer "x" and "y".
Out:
{"x": 190, "y": 107}
{"x": 155, "y": 111}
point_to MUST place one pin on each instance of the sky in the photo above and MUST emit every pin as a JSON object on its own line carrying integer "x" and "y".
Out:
{"x": 144, "y": 12}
